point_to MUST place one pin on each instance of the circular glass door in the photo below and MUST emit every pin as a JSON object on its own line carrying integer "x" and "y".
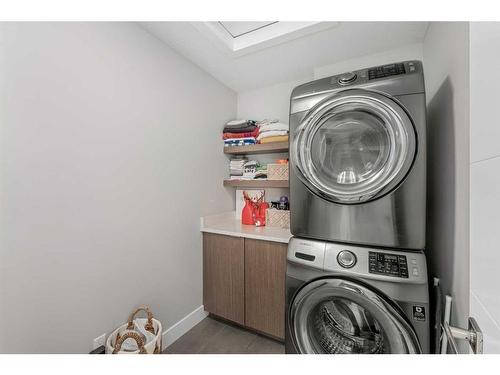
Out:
{"x": 335, "y": 315}
{"x": 354, "y": 146}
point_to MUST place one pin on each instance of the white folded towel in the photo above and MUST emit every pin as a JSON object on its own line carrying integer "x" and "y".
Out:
{"x": 236, "y": 122}
{"x": 273, "y": 126}
{"x": 271, "y": 133}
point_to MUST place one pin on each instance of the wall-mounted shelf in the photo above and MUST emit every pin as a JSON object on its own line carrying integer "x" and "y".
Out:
{"x": 257, "y": 183}
{"x": 265, "y": 148}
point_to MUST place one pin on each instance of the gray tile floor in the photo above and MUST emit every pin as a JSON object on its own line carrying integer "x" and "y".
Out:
{"x": 212, "y": 336}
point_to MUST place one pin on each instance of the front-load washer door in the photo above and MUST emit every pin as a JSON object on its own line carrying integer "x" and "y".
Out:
{"x": 339, "y": 315}
{"x": 354, "y": 146}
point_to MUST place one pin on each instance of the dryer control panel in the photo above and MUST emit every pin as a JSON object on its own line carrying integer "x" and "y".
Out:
{"x": 388, "y": 70}
{"x": 388, "y": 264}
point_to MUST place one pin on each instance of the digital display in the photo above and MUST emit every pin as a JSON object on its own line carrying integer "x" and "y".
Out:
{"x": 388, "y": 264}
{"x": 386, "y": 71}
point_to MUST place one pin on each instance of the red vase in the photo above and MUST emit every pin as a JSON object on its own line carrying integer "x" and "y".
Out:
{"x": 247, "y": 213}
{"x": 262, "y": 212}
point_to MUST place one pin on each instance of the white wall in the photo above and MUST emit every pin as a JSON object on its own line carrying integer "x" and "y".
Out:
{"x": 269, "y": 102}
{"x": 485, "y": 180}
{"x": 446, "y": 70}
{"x": 108, "y": 158}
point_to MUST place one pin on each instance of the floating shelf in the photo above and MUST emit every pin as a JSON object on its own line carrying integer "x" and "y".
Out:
{"x": 257, "y": 183}
{"x": 264, "y": 148}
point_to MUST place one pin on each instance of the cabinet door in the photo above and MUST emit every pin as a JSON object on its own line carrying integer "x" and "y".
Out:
{"x": 265, "y": 268}
{"x": 223, "y": 276}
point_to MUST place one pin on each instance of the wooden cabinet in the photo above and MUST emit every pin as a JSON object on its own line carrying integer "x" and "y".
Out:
{"x": 244, "y": 281}
{"x": 265, "y": 267}
{"x": 224, "y": 276}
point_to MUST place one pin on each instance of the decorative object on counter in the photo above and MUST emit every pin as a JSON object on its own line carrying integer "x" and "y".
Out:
{"x": 247, "y": 215}
{"x": 240, "y": 199}
{"x": 254, "y": 212}
{"x": 282, "y": 204}
{"x": 278, "y": 218}
{"x": 277, "y": 171}
{"x": 137, "y": 336}
{"x": 262, "y": 214}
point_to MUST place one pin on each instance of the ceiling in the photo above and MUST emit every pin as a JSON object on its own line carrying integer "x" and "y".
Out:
{"x": 249, "y": 55}
{"x": 236, "y": 29}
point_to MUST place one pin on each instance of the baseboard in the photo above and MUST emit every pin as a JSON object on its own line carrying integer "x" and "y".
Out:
{"x": 182, "y": 326}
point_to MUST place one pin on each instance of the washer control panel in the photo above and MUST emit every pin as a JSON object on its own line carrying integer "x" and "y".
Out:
{"x": 387, "y": 264}
{"x": 394, "y": 266}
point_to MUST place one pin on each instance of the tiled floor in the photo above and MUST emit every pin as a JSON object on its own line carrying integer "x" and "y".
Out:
{"x": 212, "y": 336}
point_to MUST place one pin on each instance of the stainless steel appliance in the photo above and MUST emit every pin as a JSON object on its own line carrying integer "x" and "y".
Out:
{"x": 349, "y": 299}
{"x": 358, "y": 157}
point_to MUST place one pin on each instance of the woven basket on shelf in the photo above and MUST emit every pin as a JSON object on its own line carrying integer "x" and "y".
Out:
{"x": 277, "y": 172}
{"x": 278, "y": 218}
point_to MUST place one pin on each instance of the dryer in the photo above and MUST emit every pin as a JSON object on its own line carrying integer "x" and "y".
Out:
{"x": 358, "y": 157}
{"x": 349, "y": 300}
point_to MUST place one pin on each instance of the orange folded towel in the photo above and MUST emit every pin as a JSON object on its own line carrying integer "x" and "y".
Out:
{"x": 277, "y": 138}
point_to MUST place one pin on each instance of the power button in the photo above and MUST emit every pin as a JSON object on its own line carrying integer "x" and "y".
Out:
{"x": 347, "y": 78}
{"x": 346, "y": 259}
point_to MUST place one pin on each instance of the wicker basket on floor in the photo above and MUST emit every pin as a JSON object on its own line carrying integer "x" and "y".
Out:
{"x": 278, "y": 218}
{"x": 277, "y": 172}
{"x": 133, "y": 330}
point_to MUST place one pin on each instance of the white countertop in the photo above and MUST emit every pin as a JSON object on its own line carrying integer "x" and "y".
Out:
{"x": 227, "y": 224}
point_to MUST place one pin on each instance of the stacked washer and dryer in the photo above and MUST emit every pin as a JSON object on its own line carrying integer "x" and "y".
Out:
{"x": 356, "y": 271}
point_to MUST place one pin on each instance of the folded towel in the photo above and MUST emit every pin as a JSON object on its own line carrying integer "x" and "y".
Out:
{"x": 271, "y": 133}
{"x": 276, "y": 138}
{"x": 254, "y": 134}
{"x": 274, "y": 126}
{"x": 236, "y": 140}
{"x": 243, "y": 129}
{"x": 236, "y": 122}
{"x": 239, "y": 141}
{"x": 266, "y": 121}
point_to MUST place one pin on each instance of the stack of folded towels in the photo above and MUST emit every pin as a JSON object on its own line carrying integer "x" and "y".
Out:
{"x": 243, "y": 169}
{"x": 240, "y": 133}
{"x": 272, "y": 131}
{"x": 236, "y": 167}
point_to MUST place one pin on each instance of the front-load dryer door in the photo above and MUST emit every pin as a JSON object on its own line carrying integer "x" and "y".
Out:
{"x": 339, "y": 315}
{"x": 354, "y": 146}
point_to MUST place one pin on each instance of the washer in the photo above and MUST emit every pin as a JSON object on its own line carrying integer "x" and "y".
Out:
{"x": 358, "y": 157}
{"x": 348, "y": 299}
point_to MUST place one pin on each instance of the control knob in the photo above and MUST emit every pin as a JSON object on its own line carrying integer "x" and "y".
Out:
{"x": 346, "y": 259}
{"x": 347, "y": 78}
